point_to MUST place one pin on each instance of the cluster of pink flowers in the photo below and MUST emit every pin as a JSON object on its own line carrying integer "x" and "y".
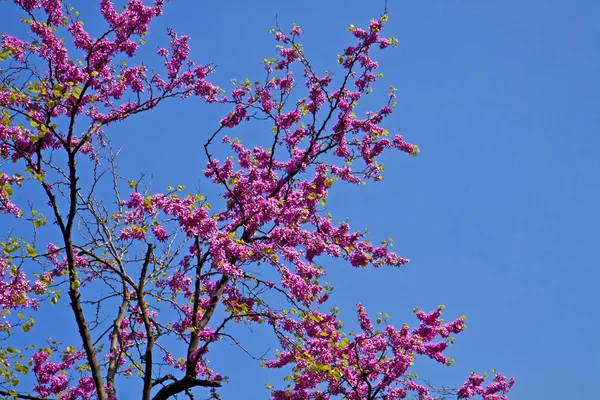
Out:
{"x": 53, "y": 377}
{"x": 367, "y": 365}
{"x": 6, "y": 183}
{"x": 496, "y": 390}
{"x": 15, "y": 291}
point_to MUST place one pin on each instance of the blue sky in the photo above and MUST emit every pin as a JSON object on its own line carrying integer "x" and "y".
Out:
{"x": 499, "y": 213}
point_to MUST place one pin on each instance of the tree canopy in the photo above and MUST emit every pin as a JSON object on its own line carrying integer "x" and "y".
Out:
{"x": 154, "y": 279}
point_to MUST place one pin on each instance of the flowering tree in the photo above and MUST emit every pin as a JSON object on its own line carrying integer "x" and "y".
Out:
{"x": 152, "y": 279}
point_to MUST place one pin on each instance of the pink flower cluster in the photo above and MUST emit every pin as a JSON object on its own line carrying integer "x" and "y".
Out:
{"x": 496, "y": 390}
{"x": 367, "y": 365}
{"x": 53, "y": 378}
{"x": 14, "y": 291}
{"x": 6, "y": 182}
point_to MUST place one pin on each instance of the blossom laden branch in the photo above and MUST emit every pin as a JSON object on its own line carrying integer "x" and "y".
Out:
{"x": 169, "y": 267}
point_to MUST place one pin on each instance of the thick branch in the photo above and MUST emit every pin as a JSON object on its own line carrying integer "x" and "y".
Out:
{"x": 74, "y": 294}
{"x": 193, "y": 357}
{"x": 147, "y": 326}
{"x": 114, "y": 339}
{"x": 194, "y": 341}
{"x": 21, "y": 396}
{"x": 181, "y": 385}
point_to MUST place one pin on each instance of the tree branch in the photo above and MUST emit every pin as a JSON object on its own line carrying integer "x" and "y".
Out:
{"x": 22, "y": 396}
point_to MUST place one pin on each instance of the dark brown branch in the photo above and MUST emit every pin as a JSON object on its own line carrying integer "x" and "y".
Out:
{"x": 150, "y": 338}
{"x": 192, "y": 360}
{"x": 114, "y": 339}
{"x": 182, "y": 385}
{"x": 74, "y": 294}
{"x": 165, "y": 378}
{"x": 21, "y": 396}
{"x": 194, "y": 341}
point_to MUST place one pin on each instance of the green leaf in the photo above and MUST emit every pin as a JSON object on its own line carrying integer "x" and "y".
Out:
{"x": 31, "y": 251}
{"x": 336, "y": 374}
{"x": 57, "y": 89}
{"x": 77, "y": 92}
{"x": 3, "y": 56}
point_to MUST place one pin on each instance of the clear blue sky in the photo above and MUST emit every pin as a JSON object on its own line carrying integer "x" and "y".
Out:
{"x": 499, "y": 213}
